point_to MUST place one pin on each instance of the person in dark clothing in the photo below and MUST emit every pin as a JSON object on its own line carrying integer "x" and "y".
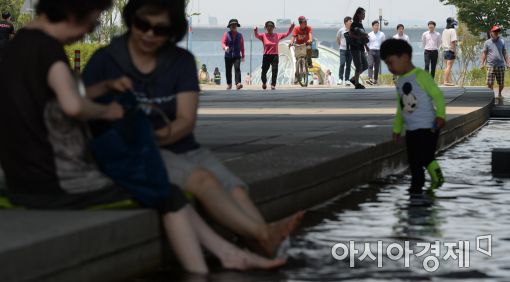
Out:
{"x": 217, "y": 76}
{"x": 164, "y": 76}
{"x": 233, "y": 45}
{"x": 358, "y": 44}
{"x": 6, "y": 31}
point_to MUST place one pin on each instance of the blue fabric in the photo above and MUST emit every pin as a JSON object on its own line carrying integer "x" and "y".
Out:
{"x": 126, "y": 151}
{"x": 234, "y": 50}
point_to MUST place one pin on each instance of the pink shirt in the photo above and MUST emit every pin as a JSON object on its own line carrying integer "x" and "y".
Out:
{"x": 271, "y": 41}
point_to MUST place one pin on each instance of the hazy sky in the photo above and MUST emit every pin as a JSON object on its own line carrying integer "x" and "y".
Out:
{"x": 250, "y": 12}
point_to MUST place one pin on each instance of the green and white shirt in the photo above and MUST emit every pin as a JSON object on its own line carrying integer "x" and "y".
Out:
{"x": 420, "y": 101}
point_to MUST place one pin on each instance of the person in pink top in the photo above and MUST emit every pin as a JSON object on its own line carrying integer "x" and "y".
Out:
{"x": 271, "y": 58}
{"x": 232, "y": 43}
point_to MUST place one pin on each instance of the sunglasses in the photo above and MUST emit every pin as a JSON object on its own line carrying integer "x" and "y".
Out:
{"x": 144, "y": 26}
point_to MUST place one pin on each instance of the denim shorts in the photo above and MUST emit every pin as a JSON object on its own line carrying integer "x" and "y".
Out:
{"x": 449, "y": 55}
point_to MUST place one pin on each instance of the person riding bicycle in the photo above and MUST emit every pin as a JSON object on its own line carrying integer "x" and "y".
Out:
{"x": 302, "y": 34}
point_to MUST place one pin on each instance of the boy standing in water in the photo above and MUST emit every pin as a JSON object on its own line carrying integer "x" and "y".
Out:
{"x": 421, "y": 107}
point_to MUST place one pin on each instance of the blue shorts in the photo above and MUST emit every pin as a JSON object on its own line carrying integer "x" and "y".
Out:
{"x": 449, "y": 55}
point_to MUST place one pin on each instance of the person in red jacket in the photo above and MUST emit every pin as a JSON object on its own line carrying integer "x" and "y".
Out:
{"x": 271, "y": 57}
{"x": 302, "y": 34}
{"x": 233, "y": 45}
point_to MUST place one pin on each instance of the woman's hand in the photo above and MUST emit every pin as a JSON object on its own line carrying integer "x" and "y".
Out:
{"x": 163, "y": 133}
{"x": 114, "y": 111}
{"x": 122, "y": 84}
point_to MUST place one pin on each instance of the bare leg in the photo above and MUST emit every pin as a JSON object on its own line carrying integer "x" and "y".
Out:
{"x": 184, "y": 241}
{"x": 222, "y": 207}
{"x": 278, "y": 231}
{"x": 241, "y": 197}
{"x": 501, "y": 87}
{"x": 242, "y": 216}
{"x": 230, "y": 256}
{"x": 448, "y": 71}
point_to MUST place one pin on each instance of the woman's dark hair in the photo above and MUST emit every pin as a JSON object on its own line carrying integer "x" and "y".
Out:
{"x": 357, "y": 15}
{"x": 396, "y": 47}
{"x": 174, "y": 8}
{"x": 400, "y": 26}
{"x": 79, "y": 10}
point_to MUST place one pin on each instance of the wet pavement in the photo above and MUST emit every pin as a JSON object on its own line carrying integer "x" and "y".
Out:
{"x": 470, "y": 204}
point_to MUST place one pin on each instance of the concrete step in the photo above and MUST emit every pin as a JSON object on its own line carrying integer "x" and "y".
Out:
{"x": 500, "y": 112}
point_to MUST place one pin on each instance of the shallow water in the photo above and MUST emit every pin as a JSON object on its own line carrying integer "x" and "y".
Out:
{"x": 471, "y": 203}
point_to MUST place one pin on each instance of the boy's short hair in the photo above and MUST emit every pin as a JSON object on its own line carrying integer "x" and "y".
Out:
{"x": 375, "y": 22}
{"x": 431, "y": 23}
{"x": 396, "y": 47}
{"x": 347, "y": 19}
{"x": 6, "y": 15}
{"x": 400, "y": 26}
{"x": 174, "y": 8}
{"x": 79, "y": 10}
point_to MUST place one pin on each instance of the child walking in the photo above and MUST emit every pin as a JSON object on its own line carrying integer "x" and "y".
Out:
{"x": 270, "y": 41}
{"x": 421, "y": 108}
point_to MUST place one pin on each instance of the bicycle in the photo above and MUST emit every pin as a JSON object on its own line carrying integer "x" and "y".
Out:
{"x": 300, "y": 51}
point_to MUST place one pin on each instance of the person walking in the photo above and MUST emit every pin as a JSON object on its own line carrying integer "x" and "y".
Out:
{"x": 449, "y": 45}
{"x": 6, "y": 31}
{"x": 400, "y": 34}
{"x": 270, "y": 40}
{"x": 358, "y": 40}
{"x": 495, "y": 56}
{"x": 431, "y": 42}
{"x": 376, "y": 37}
{"x": 233, "y": 45}
{"x": 421, "y": 109}
{"x": 345, "y": 54}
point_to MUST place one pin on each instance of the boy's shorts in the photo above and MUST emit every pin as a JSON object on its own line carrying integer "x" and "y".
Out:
{"x": 181, "y": 166}
{"x": 496, "y": 72}
{"x": 449, "y": 55}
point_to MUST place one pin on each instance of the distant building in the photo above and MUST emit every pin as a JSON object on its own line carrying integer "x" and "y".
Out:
{"x": 213, "y": 21}
{"x": 283, "y": 22}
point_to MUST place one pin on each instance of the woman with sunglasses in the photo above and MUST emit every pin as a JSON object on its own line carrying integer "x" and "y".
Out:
{"x": 232, "y": 43}
{"x": 271, "y": 57}
{"x": 165, "y": 76}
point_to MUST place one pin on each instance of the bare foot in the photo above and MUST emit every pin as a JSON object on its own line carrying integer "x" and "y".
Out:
{"x": 279, "y": 231}
{"x": 244, "y": 260}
